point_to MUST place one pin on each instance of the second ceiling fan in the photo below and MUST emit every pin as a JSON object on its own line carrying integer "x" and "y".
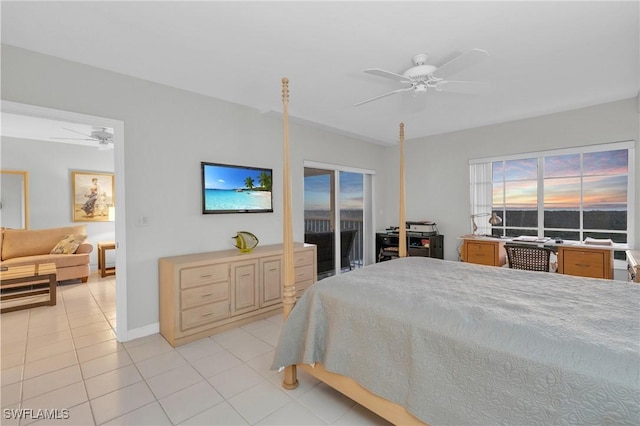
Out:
{"x": 99, "y": 135}
{"x": 423, "y": 76}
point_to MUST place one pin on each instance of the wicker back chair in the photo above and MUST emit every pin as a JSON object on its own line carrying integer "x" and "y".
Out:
{"x": 528, "y": 257}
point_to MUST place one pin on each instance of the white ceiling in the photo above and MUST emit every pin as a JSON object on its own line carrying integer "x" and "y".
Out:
{"x": 544, "y": 56}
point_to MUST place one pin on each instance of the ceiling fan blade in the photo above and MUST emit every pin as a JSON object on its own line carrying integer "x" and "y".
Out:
{"x": 75, "y": 131}
{"x": 384, "y": 95}
{"x": 457, "y": 64}
{"x": 73, "y": 139}
{"x": 467, "y": 87}
{"x": 387, "y": 74}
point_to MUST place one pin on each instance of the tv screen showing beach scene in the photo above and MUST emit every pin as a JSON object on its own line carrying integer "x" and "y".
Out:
{"x": 235, "y": 189}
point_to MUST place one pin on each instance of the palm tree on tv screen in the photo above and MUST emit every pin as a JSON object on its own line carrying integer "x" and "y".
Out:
{"x": 265, "y": 181}
{"x": 249, "y": 183}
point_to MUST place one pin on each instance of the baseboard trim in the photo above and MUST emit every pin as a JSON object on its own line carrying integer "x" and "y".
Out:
{"x": 137, "y": 333}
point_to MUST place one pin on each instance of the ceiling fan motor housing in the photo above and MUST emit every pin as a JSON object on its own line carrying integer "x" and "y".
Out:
{"x": 420, "y": 72}
{"x": 101, "y": 135}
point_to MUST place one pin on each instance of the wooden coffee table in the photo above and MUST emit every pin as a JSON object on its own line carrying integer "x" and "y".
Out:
{"x": 22, "y": 279}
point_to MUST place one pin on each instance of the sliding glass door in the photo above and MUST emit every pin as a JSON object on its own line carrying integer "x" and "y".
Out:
{"x": 337, "y": 216}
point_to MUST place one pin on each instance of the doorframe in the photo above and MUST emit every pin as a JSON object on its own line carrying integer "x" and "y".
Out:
{"x": 120, "y": 224}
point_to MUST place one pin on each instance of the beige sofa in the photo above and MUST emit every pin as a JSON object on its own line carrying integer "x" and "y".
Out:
{"x": 34, "y": 246}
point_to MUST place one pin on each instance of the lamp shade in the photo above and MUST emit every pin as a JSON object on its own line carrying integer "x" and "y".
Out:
{"x": 495, "y": 219}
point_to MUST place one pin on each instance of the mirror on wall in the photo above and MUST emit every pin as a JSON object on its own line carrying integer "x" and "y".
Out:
{"x": 14, "y": 203}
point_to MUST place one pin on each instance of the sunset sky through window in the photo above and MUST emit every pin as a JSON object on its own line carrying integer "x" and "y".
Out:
{"x": 317, "y": 191}
{"x": 604, "y": 181}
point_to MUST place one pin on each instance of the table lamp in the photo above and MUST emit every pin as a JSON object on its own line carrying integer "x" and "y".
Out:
{"x": 493, "y": 220}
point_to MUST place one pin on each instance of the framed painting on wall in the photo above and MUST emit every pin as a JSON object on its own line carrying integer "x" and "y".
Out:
{"x": 93, "y": 196}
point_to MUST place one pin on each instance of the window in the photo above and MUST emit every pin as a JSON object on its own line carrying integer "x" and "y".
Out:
{"x": 570, "y": 194}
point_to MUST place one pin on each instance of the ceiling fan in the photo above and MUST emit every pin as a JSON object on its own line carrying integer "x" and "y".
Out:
{"x": 423, "y": 76}
{"x": 101, "y": 135}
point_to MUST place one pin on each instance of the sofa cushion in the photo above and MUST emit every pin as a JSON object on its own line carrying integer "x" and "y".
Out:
{"x": 32, "y": 242}
{"x": 61, "y": 260}
{"x": 68, "y": 244}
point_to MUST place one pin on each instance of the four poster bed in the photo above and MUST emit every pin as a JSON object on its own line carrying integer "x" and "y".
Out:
{"x": 420, "y": 340}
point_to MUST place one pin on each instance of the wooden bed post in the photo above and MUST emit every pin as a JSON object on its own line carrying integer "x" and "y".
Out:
{"x": 289, "y": 292}
{"x": 402, "y": 228}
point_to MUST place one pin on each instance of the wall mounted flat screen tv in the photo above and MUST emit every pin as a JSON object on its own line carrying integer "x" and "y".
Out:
{"x": 228, "y": 188}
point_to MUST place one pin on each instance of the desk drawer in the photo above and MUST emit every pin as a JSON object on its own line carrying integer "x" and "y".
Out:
{"x": 584, "y": 263}
{"x": 204, "y": 314}
{"x": 205, "y": 294}
{"x": 303, "y": 258}
{"x": 192, "y": 277}
{"x": 481, "y": 253}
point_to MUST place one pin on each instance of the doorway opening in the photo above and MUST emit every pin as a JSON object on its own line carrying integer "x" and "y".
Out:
{"x": 37, "y": 112}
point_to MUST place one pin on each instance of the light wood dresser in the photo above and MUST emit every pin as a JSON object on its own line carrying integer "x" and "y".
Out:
{"x": 205, "y": 293}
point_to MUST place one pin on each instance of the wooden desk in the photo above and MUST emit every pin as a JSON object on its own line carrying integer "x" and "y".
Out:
{"x": 22, "y": 279}
{"x": 584, "y": 260}
{"x": 102, "y": 264}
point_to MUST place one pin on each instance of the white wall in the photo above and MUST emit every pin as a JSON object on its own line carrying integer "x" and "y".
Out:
{"x": 168, "y": 132}
{"x": 49, "y": 165}
{"x": 437, "y": 172}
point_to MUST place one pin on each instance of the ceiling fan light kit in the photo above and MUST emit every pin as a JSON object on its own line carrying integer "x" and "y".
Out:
{"x": 423, "y": 76}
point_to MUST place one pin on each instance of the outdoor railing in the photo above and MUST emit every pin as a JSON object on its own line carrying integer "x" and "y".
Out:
{"x": 324, "y": 225}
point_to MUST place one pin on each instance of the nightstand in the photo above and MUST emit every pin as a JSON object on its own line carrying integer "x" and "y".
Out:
{"x": 102, "y": 264}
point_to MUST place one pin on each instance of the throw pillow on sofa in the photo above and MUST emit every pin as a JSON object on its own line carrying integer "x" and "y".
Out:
{"x": 69, "y": 244}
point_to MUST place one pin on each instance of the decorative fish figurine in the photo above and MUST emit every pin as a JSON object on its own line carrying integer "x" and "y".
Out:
{"x": 245, "y": 241}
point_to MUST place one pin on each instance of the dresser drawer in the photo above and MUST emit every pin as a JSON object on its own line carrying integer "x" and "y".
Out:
{"x": 303, "y": 273}
{"x": 302, "y": 286}
{"x": 204, "y": 314}
{"x": 204, "y": 294}
{"x": 192, "y": 277}
{"x": 303, "y": 258}
{"x": 481, "y": 253}
{"x": 584, "y": 263}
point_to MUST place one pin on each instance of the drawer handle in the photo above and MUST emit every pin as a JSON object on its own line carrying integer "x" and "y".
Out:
{"x": 583, "y": 265}
{"x": 205, "y": 275}
{"x": 245, "y": 275}
{"x": 300, "y": 274}
{"x": 207, "y": 295}
{"x": 207, "y": 315}
{"x": 273, "y": 270}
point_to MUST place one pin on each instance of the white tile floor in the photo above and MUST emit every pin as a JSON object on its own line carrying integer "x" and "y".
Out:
{"x": 65, "y": 357}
